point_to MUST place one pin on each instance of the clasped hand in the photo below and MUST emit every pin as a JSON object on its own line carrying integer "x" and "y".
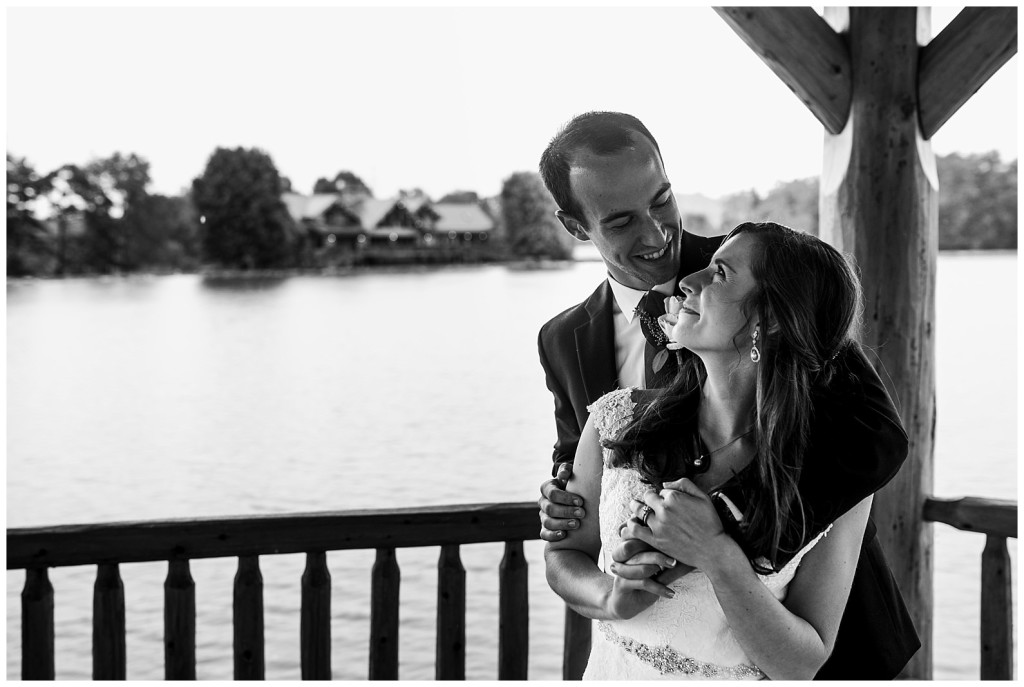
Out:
{"x": 682, "y": 532}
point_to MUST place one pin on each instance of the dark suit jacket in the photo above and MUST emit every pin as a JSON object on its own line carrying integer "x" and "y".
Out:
{"x": 857, "y": 445}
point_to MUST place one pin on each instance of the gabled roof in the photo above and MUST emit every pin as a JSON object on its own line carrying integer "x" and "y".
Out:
{"x": 372, "y": 210}
{"x": 462, "y": 217}
{"x": 302, "y": 207}
{"x": 412, "y": 203}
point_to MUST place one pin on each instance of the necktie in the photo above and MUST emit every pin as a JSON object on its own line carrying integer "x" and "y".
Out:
{"x": 660, "y": 364}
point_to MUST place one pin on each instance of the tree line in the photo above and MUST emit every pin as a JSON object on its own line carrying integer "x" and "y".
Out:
{"x": 977, "y": 203}
{"x": 100, "y": 218}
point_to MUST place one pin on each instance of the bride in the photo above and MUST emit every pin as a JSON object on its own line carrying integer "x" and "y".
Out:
{"x": 740, "y": 576}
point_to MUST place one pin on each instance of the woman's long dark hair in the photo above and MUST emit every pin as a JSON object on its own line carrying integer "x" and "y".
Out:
{"x": 808, "y": 303}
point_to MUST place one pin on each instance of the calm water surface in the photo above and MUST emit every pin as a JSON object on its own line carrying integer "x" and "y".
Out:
{"x": 156, "y": 397}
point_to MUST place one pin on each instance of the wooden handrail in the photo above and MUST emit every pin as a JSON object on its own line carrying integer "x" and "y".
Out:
{"x": 136, "y": 542}
{"x": 107, "y": 545}
{"x": 971, "y": 514}
{"x": 997, "y": 519}
{"x": 246, "y": 538}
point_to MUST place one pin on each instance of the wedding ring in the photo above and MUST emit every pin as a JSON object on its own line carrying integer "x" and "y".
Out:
{"x": 644, "y": 512}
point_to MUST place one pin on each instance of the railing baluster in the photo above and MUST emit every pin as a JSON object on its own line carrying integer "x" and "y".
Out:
{"x": 384, "y": 585}
{"x": 108, "y": 648}
{"x": 996, "y": 614}
{"x": 513, "y": 614}
{"x": 450, "y": 659}
{"x": 576, "y": 650}
{"x": 248, "y": 619}
{"x": 37, "y": 626}
{"x": 179, "y": 622}
{"x": 315, "y": 626}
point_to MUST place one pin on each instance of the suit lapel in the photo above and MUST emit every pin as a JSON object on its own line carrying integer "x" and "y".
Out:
{"x": 595, "y": 345}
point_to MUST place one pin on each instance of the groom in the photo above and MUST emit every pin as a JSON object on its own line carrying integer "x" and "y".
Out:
{"x": 606, "y": 174}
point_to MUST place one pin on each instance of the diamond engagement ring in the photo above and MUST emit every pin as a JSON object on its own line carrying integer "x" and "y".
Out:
{"x": 644, "y": 512}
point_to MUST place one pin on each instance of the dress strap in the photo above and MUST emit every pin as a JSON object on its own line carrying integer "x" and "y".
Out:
{"x": 612, "y": 412}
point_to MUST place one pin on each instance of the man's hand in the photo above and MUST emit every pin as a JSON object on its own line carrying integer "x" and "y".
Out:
{"x": 635, "y": 559}
{"x": 560, "y": 510}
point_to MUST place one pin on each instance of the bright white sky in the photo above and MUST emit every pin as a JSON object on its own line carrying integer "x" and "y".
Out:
{"x": 436, "y": 98}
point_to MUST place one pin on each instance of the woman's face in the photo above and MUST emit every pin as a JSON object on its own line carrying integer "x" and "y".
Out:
{"x": 712, "y": 314}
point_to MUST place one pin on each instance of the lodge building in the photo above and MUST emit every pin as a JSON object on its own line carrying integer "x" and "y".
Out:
{"x": 408, "y": 221}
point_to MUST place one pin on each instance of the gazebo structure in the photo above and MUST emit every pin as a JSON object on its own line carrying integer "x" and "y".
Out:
{"x": 881, "y": 89}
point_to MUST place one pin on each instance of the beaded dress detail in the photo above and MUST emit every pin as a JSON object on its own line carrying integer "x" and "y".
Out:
{"x": 686, "y": 637}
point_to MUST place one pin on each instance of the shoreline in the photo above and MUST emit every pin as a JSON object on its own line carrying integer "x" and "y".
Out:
{"x": 218, "y": 274}
{"x": 522, "y": 264}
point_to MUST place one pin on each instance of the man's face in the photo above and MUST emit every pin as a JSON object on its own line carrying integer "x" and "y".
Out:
{"x": 630, "y": 213}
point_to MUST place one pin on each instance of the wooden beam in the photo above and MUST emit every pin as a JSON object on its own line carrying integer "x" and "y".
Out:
{"x": 803, "y": 50}
{"x": 957, "y": 62}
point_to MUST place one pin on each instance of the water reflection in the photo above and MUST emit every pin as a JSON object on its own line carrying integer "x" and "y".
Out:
{"x": 242, "y": 283}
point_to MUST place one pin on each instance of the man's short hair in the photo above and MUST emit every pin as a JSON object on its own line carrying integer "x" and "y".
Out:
{"x": 602, "y": 133}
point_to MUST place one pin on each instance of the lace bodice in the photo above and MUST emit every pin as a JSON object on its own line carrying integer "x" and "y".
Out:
{"x": 685, "y": 637}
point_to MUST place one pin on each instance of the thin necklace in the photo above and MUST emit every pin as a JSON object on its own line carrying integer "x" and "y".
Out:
{"x": 707, "y": 456}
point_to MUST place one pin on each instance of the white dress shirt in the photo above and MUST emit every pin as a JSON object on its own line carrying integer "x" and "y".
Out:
{"x": 629, "y": 340}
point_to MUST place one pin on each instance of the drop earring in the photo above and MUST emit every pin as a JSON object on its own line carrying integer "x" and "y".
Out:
{"x": 755, "y": 355}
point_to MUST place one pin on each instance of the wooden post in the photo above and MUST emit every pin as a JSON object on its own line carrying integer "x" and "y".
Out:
{"x": 315, "y": 625}
{"x": 37, "y": 626}
{"x": 248, "y": 620}
{"x": 108, "y": 647}
{"x": 385, "y": 580}
{"x": 996, "y": 611}
{"x": 179, "y": 622}
{"x": 513, "y": 614}
{"x": 879, "y": 202}
{"x": 576, "y": 645}
{"x": 450, "y": 653}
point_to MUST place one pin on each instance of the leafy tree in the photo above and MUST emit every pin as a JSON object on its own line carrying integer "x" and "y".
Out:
{"x": 345, "y": 182}
{"x": 792, "y": 203}
{"x": 123, "y": 179}
{"x": 739, "y": 207}
{"x": 79, "y": 205}
{"x": 460, "y": 197}
{"x": 114, "y": 227}
{"x": 413, "y": 194}
{"x": 245, "y": 222}
{"x": 977, "y": 202}
{"x": 30, "y": 249}
{"x": 322, "y": 185}
{"x": 529, "y": 218}
{"x": 165, "y": 234}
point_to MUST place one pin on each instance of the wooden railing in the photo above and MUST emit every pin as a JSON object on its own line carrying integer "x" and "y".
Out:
{"x": 178, "y": 541}
{"x": 997, "y": 520}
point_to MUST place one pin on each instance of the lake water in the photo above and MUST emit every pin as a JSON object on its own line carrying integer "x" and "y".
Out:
{"x": 158, "y": 397}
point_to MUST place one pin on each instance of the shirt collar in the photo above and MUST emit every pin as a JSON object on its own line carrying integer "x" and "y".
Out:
{"x": 628, "y": 298}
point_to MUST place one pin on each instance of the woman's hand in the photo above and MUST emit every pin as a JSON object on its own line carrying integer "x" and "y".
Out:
{"x": 682, "y": 522}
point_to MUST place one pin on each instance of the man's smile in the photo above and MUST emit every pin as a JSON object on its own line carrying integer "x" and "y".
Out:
{"x": 658, "y": 253}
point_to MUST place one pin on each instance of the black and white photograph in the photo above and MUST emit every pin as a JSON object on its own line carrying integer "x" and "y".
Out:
{"x": 511, "y": 342}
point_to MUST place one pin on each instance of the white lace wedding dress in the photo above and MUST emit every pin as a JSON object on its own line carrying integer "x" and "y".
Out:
{"x": 686, "y": 637}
